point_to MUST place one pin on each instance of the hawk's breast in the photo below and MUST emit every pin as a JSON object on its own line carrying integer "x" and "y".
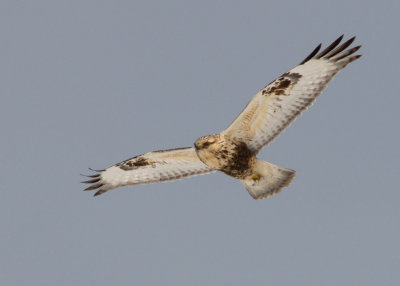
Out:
{"x": 232, "y": 157}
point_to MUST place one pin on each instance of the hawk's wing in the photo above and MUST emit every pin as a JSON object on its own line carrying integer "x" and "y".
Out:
{"x": 279, "y": 103}
{"x": 152, "y": 167}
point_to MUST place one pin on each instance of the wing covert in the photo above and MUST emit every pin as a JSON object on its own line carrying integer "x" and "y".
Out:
{"x": 274, "y": 107}
{"x": 151, "y": 167}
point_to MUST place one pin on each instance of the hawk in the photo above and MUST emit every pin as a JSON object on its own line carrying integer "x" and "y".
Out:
{"x": 234, "y": 150}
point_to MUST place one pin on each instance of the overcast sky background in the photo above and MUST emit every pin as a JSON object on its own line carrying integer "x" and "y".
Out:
{"x": 91, "y": 83}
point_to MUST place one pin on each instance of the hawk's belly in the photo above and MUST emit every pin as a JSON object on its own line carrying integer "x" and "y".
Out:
{"x": 231, "y": 157}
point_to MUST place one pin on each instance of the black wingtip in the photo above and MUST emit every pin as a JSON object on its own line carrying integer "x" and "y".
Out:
{"x": 90, "y": 176}
{"x": 99, "y": 192}
{"x": 330, "y": 47}
{"x": 339, "y": 49}
{"x": 346, "y": 53}
{"x": 313, "y": 53}
{"x": 93, "y": 187}
{"x": 96, "y": 170}
{"x": 95, "y": 180}
{"x": 353, "y": 58}
{"x": 349, "y": 41}
{"x": 334, "y": 51}
{"x": 355, "y": 49}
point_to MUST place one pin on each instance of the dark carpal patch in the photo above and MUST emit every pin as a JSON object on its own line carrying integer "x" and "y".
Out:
{"x": 294, "y": 76}
{"x": 134, "y": 163}
{"x": 282, "y": 84}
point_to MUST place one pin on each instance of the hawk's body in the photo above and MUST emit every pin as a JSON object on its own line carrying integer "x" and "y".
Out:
{"x": 234, "y": 150}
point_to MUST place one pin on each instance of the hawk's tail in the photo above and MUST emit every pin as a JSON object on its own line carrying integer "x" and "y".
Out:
{"x": 267, "y": 180}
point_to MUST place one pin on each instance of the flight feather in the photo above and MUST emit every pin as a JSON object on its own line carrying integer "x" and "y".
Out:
{"x": 274, "y": 107}
{"x": 152, "y": 167}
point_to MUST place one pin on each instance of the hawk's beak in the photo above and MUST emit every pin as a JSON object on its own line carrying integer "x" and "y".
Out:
{"x": 196, "y": 147}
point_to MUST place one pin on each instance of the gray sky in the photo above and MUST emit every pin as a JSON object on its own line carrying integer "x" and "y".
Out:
{"x": 91, "y": 83}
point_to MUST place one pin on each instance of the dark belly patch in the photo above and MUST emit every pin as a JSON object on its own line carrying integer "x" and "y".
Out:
{"x": 237, "y": 161}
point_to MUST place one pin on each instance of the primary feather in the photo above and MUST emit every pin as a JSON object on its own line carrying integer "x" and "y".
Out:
{"x": 274, "y": 107}
{"x": 152, "y": 167}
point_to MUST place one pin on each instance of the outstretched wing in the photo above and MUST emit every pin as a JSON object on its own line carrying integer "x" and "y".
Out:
{"x": 152, "y": 167}
{"x": 279, "y": 103}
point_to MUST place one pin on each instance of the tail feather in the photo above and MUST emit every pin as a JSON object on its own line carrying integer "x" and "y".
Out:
{"x": 267, "y": 180}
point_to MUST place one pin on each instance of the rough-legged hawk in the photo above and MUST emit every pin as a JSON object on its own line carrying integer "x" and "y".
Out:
{"x": 234, "y": 150}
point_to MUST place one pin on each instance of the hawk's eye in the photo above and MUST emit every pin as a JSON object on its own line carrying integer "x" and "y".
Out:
{"x": 206, "y": 144}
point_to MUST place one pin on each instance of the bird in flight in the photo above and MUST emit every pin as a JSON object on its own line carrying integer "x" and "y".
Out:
{"x": 234, "y": 150}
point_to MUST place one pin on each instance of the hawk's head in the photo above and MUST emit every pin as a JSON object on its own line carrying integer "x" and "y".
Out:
{"x": 208, "y": 147}
{"x": 206, "y": 142}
